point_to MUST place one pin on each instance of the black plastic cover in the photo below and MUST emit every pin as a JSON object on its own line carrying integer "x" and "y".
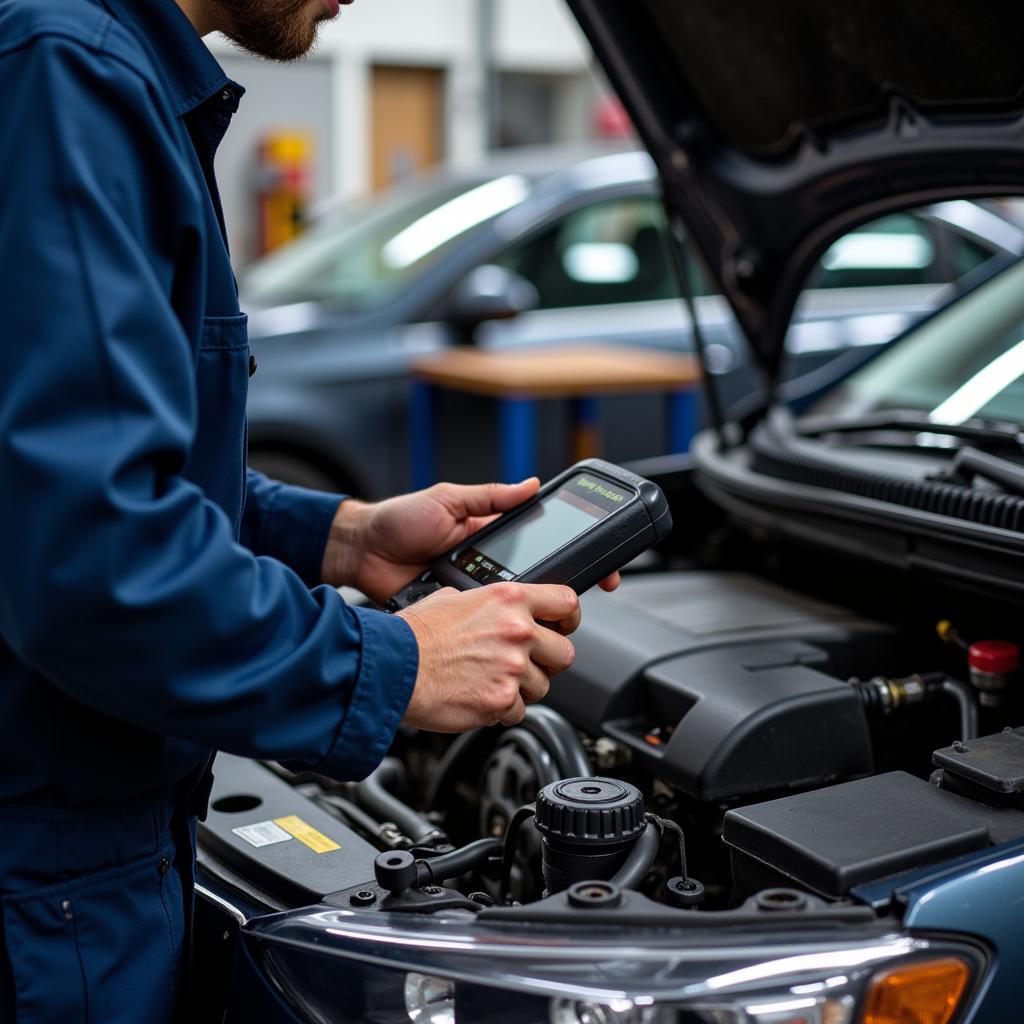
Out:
{"x": 993, "y": 762}
{"x": 833, "y": 839}
{"x": 745, "y": 720}
{"x": 724, "y": 684}
{"x": 248, "y": 797}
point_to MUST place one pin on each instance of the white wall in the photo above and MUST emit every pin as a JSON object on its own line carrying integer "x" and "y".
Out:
{"x": 538, "y": 35}
{"x": 529, "y": 35}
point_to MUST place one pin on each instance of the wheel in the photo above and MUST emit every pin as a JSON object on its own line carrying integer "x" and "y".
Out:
{"x": 298, "y": 470}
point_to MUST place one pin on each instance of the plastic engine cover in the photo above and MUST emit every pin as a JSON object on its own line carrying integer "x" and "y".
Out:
{"x": 270, "y": 833}
{"x": 725, "y": 685}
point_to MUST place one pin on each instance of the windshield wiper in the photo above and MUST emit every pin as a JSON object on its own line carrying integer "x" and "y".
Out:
{"x": 989, "y": 434}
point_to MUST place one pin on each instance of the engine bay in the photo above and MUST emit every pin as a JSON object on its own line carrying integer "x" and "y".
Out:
{"x": 751, "y": 728}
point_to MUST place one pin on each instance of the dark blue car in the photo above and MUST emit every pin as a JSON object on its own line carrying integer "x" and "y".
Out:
{"x": 783, "y": 782}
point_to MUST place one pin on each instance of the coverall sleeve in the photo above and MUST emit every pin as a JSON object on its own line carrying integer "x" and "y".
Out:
{"x": 288, "y": 523}
{"x": 119, "y": 581}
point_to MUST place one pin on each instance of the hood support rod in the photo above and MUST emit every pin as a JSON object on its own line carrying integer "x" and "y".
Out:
{"x": 685, "y": 285}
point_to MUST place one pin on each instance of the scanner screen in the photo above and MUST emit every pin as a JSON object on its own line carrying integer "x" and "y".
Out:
{"x": 562, "y": 516}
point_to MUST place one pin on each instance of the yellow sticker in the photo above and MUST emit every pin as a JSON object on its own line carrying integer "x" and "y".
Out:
{"x": 316, "y": 841}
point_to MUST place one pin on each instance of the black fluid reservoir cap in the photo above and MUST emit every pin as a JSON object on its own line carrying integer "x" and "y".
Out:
{"x": 590, "y": 811}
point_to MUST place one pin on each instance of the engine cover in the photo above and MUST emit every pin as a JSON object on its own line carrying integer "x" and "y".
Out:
{"x": 723, "y": 684}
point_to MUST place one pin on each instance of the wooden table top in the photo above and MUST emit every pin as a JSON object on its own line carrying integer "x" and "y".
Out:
{"x": 572, "y": 371}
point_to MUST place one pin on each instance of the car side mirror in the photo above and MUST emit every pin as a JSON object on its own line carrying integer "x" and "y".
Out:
{"x": 490, "y": 293}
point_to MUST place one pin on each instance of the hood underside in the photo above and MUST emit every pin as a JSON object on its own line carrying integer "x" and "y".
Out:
{"x": 778, "y": 127}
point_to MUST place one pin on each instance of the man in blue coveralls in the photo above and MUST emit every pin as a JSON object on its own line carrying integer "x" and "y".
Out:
{"x": 157, "y": 602}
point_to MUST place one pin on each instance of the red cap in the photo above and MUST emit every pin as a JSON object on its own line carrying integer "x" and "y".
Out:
{"x": 993, "y": 656}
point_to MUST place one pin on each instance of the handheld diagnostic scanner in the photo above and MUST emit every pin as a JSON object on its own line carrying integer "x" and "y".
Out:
{"x": 580, "y": 527}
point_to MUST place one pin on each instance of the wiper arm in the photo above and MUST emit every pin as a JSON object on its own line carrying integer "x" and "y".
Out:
{"x": 913, "y": 422}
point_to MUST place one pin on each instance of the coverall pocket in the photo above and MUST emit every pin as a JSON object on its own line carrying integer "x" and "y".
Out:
{"x": 102, "y": 947}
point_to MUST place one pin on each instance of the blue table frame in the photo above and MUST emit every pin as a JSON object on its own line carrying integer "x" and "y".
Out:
{"x": 517, "y": 429}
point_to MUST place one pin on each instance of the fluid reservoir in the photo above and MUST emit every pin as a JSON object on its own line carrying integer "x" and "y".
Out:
{"x": 587, "y": 827}
{"x": 992, "y": 664}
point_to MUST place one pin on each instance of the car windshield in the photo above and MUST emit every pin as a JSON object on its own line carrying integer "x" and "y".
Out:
{"x": 364, "y": 253}
{"x": 966, "y": 363}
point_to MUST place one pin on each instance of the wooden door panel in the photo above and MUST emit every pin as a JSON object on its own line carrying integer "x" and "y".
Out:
{"x": 406, "y": 121}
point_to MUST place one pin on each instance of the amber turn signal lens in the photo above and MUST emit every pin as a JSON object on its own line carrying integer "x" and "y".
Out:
{"x": 926, "y": 992}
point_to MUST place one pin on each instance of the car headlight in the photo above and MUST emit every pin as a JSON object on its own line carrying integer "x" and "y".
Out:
{"x": 429, "y": 1000}
{"x": 428, "y": 972}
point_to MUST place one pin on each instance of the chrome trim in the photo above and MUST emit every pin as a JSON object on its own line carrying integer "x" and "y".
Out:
{"x": 230, "y": 908}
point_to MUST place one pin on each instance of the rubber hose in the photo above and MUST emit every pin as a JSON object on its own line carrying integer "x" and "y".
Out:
{"x": 541, "y": 757}
{"x": 449, "y": 761}
{"x": 548, "y": 725}
{"x": 356, "y": 817}
{"x": 458, "y": 862}
{"x": 373, "y": 796}
{"x": 509, "y": 844}
{"x": 640, "y": 860}
{"x": 964, "y": 696}
{"x": 545, "y": 723}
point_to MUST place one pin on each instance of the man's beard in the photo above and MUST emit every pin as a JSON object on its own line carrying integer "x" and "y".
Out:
{"x": 274, "y": 29}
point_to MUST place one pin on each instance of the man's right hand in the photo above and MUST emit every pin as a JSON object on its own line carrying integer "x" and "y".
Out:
{"x": 484, "y": 655}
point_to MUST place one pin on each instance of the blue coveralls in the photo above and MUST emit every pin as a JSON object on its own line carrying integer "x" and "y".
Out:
{"x": 154, "y": 604}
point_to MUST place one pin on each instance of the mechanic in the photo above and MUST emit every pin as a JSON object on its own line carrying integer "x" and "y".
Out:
{"x": 157, "y": 603}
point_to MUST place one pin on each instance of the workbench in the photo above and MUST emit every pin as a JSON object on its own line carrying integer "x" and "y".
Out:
{"x": 521, "y": 378}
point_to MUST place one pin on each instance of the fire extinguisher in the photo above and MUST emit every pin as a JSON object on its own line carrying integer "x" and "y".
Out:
{"x": 282, "y": 188}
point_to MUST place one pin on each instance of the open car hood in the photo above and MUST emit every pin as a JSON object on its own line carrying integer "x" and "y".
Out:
{"x": 777, "y": 127}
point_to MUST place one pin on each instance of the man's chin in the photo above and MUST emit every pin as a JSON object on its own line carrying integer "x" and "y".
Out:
{"x": 273, "y": 35}
{"x": 280, "y": 51}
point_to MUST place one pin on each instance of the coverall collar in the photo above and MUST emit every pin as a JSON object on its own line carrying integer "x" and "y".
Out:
{"x": 192, "y": 72}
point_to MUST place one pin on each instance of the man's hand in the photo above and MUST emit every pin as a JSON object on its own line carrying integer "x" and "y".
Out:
{"x": 379, "y": 548}
{"x": 483, "y": 655}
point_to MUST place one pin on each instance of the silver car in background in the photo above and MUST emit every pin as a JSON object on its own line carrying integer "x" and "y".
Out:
{"x": 543, "y": 248}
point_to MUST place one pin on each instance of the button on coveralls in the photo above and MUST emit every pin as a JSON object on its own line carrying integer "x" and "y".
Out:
{"x": 155, "y": 600}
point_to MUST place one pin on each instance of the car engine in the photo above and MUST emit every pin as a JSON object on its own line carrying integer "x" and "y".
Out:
{"x": 749, "y": 727}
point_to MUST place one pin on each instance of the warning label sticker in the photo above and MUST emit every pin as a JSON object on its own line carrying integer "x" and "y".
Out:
{"x": 262, "y": 833}
{"x": 306, "y": 834}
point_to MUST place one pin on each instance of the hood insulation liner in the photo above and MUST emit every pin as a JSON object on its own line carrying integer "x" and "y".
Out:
{"x": 760, "y": 70}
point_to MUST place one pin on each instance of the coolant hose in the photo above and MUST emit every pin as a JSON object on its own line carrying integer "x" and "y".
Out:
{"x": 640, "y": 860}
{"x": 458, "y": 862}
{"x": 548, "y": 725}
{"x": 372, "y": 795}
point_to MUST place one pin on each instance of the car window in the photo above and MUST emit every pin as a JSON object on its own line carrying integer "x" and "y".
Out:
{"x": 966, "y": 254}
{"x": 901, "y": 249}
{"x": 874, "y": 282}
{"x": 612, "y": 251}
{"x": 896, "y": 250}
{"x": 615, "y": 251}
{"x": 365, "y": 253}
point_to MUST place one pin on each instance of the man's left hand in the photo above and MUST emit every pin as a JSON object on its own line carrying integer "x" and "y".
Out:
{"x": 379, "y": 548}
